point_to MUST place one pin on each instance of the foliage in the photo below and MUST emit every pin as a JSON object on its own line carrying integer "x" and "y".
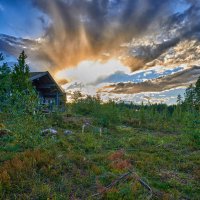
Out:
{"x": 20, "y": 74}
{"x": 192, "y": 96}
{"x": 5, "y": 86}
{"x": 16, "y": 92}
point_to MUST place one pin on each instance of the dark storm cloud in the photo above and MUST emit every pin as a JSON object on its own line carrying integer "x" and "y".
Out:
{"x": 85, "y": 29}
{"x": 131, "y": 16}
{"x": 13, "y": 45}
{"x": 184, "y": 26}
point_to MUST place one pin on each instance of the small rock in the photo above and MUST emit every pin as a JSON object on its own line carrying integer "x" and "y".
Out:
{"x": 68, "y": 132}
{"x": 4, "y": 132}
{"x": 50, "y": 131}
{"x": 87, "y": 124}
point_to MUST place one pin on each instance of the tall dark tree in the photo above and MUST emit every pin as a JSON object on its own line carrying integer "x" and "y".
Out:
{"x": 5, "y": 78}
{"x": 24, "y": 97}
{"x": 21, "y": 75}
{"x": 190, "y": 96}
{"x": 179, "y": 99}
{"x": 197, "y": 93}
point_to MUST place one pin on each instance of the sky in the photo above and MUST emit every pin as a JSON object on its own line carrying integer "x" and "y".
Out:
{"x": 126, "y": 50}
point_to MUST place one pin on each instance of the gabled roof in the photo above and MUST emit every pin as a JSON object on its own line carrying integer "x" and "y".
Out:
{"x": 37, "y": 75}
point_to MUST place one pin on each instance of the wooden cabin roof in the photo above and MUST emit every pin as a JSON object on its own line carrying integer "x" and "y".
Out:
{"x": 36, "y": 76}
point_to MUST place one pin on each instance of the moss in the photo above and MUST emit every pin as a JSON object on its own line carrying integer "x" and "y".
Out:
{"x": 80, "y": 165}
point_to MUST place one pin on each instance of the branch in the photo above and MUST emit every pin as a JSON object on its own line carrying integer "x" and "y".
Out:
{"x": 124, "y": 177}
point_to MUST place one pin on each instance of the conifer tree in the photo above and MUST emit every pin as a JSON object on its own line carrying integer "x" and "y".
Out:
{"x": 178, "y": 110}
{"x": 4, "y": 76}
{"x": 5, "y": 79}
{"x": 197, "y": 93}
{"x": 24, "y": 97}
{"x": 190, "y": 96}
{"x": 179, "y": 99}
{"x": 20, "y": 75}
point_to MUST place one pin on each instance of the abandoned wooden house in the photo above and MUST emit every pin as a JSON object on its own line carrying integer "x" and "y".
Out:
{"x": 48, "y": 90}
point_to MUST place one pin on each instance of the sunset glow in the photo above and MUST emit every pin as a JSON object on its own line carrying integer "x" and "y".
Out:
{"x": 104, "y": 41}
{"x": 91, "y": 71}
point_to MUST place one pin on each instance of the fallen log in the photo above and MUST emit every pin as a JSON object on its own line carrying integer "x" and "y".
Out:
{"x": 124, "y": 177}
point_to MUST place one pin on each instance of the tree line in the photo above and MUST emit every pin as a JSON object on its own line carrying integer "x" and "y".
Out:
{"x": 18, "y": 95}
{"x": 192, "y": 97}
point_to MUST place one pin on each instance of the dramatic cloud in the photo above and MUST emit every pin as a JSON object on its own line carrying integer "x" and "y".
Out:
{"x": 90, "y": 29}
{"x": 100, "y": 30}
{"x": 14, "y": 45}
{"x": 138, "y": 76}
{"x": 179, "y": 79}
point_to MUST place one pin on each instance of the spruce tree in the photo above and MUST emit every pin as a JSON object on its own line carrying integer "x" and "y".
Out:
{"x": 179, "y": 99}
{"x": 24, "y": 96}
{"x": 5, "y": 79}
{"x": 190, "y": 96}
{"x": 20, "y": 75}
{"x": 197, "y": 93}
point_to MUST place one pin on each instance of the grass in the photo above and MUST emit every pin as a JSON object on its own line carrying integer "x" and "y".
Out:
{"x": 80, "y": 165}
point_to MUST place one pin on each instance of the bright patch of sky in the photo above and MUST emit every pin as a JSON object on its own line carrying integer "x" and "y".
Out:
{"x": 88, "y": 78}
{"x": 180, "y": 6}
{"x": 89, "y": 71}
{"x": 168, "y": 97}
{"x": 139, "y": 76}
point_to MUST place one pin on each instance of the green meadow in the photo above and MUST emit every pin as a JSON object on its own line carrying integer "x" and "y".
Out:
{"x": 90, "y": 149}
